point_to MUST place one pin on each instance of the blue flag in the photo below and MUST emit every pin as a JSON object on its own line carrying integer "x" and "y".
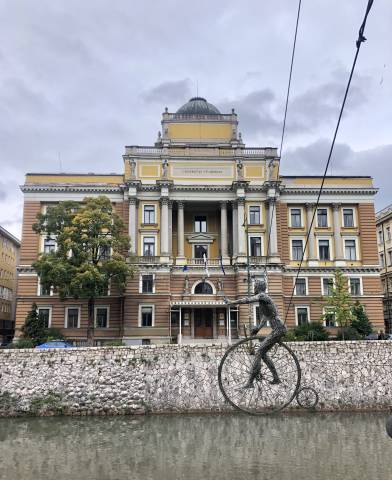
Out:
{"x": 221, "y": 264}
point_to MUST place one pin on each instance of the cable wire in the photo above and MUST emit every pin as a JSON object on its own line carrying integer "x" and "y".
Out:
{"x": 360, "y": 40}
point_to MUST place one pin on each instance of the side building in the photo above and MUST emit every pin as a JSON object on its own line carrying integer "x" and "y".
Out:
{"x": 205, "y": 213}
{"x": 384, "y": 241}
{"x": 9, "y": 258}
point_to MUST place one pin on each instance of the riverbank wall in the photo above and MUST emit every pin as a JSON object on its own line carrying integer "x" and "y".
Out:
{"x": 172, "y": 378}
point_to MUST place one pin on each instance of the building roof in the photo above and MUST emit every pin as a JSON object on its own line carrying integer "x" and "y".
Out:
{"x": 9, "y": 235}
{"x": 384, "y": 213}
{"x": 198, "y": 106}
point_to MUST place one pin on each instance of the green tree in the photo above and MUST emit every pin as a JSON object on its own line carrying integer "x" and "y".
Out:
{"x": 360, "y": 320}
{"x": 34, "y": 328}
{"x": 91, "y": 252}
{"x": 339, "y": 303}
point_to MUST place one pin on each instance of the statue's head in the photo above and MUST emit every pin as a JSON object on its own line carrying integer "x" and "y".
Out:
{"x": 260, "y": 286}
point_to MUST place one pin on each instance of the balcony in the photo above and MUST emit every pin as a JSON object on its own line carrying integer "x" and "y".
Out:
{"x": 213, "y": 262}
{"x": 146, "y": 260}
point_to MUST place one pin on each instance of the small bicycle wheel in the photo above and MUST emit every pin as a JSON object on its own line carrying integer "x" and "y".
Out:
{"x": 307, "y": 397}
{"x": 264, "y": 397}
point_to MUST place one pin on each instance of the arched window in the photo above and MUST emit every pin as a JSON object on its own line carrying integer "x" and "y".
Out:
{"x": 203, "y": 288}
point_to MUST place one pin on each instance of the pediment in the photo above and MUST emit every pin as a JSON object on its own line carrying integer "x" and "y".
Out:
{"x": 200, "y": 238}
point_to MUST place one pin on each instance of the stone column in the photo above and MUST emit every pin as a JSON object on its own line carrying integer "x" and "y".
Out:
{"x": 180, "y": 230}
{"x": 273, "y": 238}
{"x": 235, "y": 229}
{"x": 224, "y": 251}
{"x": 132, "y": 229}
{"x": 170, "y": 228}
{"x": 241, "y": 227}
{"x": 164, "y": 227}
{"x": 336, "y": 234}
{"x": 312, "y": 256}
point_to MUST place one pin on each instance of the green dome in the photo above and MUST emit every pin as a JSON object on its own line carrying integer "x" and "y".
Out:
{"x": 198, "y": 106}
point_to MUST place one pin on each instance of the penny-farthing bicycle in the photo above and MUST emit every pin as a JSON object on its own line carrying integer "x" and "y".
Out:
{"x": 264, "y": 397}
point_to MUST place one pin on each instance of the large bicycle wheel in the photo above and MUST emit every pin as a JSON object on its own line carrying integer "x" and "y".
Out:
{"x": 264, "y": 397}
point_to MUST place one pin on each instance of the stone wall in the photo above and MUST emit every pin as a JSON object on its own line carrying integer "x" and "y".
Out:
{"x": 171, "y": 378}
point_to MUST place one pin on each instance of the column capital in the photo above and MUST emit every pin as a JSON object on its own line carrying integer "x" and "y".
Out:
{"x": 234, "y": 204}
{"x": 241, "y": 201}
{"x": 133, "y": 201}
{"x": 336, "y": 206}
{"x": 164, "y": 200}
{"x": 223, "y": 203}
{"x": 180, "y": 204}
{"x": 309, "y": 205}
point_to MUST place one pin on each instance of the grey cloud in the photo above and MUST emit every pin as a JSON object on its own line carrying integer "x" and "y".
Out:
{"x": 171, "y": 92}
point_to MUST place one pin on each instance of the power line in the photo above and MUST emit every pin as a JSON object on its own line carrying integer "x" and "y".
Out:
{"x": 360, "y": 40}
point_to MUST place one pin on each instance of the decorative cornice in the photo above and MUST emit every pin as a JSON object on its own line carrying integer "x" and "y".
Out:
{"x": 33, "y": 188}
{"x": 329, "y": 191}
{"x": 359, "y": 269}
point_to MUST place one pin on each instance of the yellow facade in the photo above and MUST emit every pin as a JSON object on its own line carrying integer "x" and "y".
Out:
{"x": 200, "y": 131}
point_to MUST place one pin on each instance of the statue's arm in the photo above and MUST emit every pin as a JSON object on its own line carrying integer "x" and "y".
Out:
{"x": 244, "y": 300}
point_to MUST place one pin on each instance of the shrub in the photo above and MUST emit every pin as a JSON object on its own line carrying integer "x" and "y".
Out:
{"x": 22, "y": 343}
{"x": 54, "y": 334}
{"x": 290, "y": 336}
{"x": 313, "y": 331}
{"x": 348, "y": 333}
{"x": 360, "y": 320}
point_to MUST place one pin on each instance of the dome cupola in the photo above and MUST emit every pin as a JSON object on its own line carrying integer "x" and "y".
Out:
{"x": 198, "y": 106}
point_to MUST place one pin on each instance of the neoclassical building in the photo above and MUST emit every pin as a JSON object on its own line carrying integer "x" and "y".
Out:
{"x": 206, "y": 216}
{"x": 384, "y": 240}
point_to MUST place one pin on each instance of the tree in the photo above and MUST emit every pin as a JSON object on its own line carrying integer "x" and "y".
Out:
{"x": 91, "y": 252}
{"x": 34, "y": 328}
{"x": 339, "y": 303}
{"x": 360, "y": 321}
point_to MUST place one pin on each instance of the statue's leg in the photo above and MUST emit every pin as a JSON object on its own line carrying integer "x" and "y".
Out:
{"x": 265, "y": 347}
{"x": 260, "y": 354}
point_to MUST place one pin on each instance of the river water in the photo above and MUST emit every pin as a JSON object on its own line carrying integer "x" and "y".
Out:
{"x": 192, "y": 447}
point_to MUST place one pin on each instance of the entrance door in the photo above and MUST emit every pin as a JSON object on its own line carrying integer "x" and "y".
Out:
{"x": 203, "y": 322}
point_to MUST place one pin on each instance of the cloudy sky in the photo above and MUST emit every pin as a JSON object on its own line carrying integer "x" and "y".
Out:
{"x": 79, "y": 80}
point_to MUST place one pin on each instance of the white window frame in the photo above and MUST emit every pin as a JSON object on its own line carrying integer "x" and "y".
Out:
{"x": 141, "y": 283}
{"x": 291, "y": 248}
{"x": 297, "y": 307}
{"x": 356, "y": 248}
{"x": 46, "y": 307}
{"x": 354, "y": 216}
{"x": 256, "y": 235}
{"x": 205, "y": 281}
{"x": 388, "y": 232}
{"x": 107, "y": 308}
{"x": 66, "y": 315}
{"x": 325, "y": 309}
{"x": 328, "y": 219}
{"x": 389, "y": 252}
{"x": 141, "y": 305}
{"x": 154, "y": 236}
{"x": 302, "y": 217}
{"x": 360, "y": 285}
{"x": 382, "y": 260}
{"x": 295, "y": 286}
{"x": 39, "y": 289}
{"x": 322, "y": 284}
{"x": 43, "y": 238}
{"x": 260, "y": 213}
{"x": 155, "y": 213}
{"x": 331, "y": 253}
{"x": 194, "y": 224}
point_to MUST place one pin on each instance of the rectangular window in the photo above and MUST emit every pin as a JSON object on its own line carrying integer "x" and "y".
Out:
{"x": 297, "y": 249}
{"x": 146, "y": 313}
{"x": 322, "y": 217}
{"x": 300, "y": 286}
{"x": 350, "y": 250}
{"x": 45, "y": 290}
{"x": 382, "y": 263}
{"x": 254, "y": 215}
{"x": 324, "y": 249}
{"x": 379, "y": 236}
{"x": 200, "y": 224}
{"x": 255, "y": 246}
{"x": 348, "y": 217}
{"x": 389, "y": 257}
{"x": 327, "y": 287}
{"x": 200, "y": 251}
{"x": 148, "y": 214}
{"x": 147, "y": 283}
{"x": 329, "y": 318}
{"x": 302, "y": 315}
{"x": 44, "y": 313}
{"x": 388, "y": 233}
{"x": 101, "y": 317}
{"x": 49, "y": 245}
{"x": 72, "y": 317}
{"x": 296, "y": 217}
{"x": 355, "y": 286}
{"x": 148, "y": 246}
{"x": 104, "y": 252}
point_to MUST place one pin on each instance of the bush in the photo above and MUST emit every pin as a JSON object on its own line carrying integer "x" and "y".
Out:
{"x": 54, "y": 334}
{"x": 290, "y": 336}
{"x": 360, "y": 320}
{"x": 22, "y": 343}
{"x": 313, "y": 331}
{"x": 34, "y": 327}
{"x": 114, "y": 343}
{"x": 348, "y": 333}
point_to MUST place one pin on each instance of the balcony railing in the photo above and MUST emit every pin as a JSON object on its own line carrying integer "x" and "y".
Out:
{"x": 201, "y": 151}
{"x": 147, "y": 259}
{"x": 200, "y": 261}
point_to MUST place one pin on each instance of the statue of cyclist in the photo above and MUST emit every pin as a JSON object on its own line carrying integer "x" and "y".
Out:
{"x": 267, "y": 313}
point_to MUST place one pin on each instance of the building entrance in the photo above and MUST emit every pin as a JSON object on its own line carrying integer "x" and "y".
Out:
{"x": 203, "y": 318}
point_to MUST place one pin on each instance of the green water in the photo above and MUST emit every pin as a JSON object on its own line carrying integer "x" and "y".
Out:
{"x": 303, "y": 447}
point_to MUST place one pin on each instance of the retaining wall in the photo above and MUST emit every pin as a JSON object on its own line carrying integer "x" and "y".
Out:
{"x": 171, "y": 378}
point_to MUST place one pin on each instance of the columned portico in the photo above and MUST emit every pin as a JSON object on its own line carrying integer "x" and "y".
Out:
{"x": 164, "y": 227}
{"x": 272, "y": 234}
{"x": 224, "y": 248}
{"x": 180, "y": 232}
